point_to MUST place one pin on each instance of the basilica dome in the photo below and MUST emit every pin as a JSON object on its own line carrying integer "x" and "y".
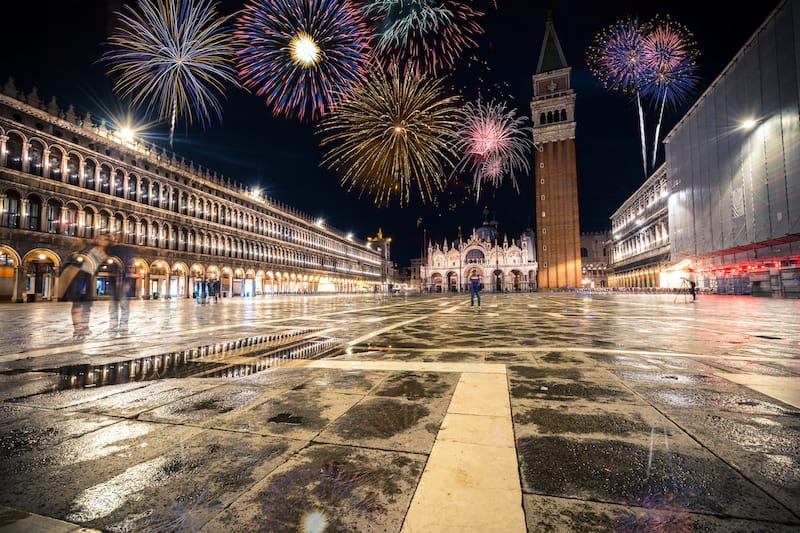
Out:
{"x": 488, "y": 230}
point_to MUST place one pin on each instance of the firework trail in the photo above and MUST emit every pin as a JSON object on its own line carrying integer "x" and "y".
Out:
{"x": 173, "y": 57}
{"x": 493, "y": 142}
{"x": 301, "y": 55}
{"x": 670, "y": 58}
{"x": 395, "y": 133}
{"x": 426, "y": 36}
{"x": 616, "y": 58}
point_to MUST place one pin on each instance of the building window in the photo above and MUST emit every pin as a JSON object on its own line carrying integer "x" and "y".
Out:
{"x": 89, "y": 169}
{"x": 72, "y": 169}
{"x": 132, "y": 187}
{"x": 88, "y": 223}
{"x": 14, "y": 151}
{"x": 11, "y": 210}
{"x": 53, "y": 216}
{"x": 119, "y": 184}
{"x": 35, "y": 156}
{"x": 54, "y": 162}
{"x": 71, "y": 222}
{"x": 105, "y": 180}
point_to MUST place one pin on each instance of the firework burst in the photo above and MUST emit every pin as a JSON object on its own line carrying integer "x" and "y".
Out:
{"x": 424, "y": 35}
{"x": 174, "y": 57}
{"x": 657, "y": 60}
{"x": 395, "y": 133}
{"x": 617, "y": 58}
{"x": 670, "y": 59}
{"x": 494, "y": 143}
{"x": 301, "y": 55}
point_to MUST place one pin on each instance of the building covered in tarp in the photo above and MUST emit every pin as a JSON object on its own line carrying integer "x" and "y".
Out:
{"x": 733, "y": 162}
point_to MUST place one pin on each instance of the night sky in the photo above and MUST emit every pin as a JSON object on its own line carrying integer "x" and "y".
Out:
{"x": 55, "y": 46}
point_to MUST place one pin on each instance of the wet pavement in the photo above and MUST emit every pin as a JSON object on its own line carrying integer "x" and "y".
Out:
{"x": 366, "y": 413}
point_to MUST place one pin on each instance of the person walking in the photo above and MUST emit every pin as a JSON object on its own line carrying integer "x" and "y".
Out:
{"x": 474, "y": 288}
{"x": 76, "y": 277}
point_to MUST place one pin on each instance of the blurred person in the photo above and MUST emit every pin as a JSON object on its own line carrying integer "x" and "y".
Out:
{"x": 120, "y": 307}
{"x": 76, "y": 277}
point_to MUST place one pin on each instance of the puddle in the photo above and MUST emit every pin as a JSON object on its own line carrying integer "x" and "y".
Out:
{"x": 234, "y": 359}
{"x": 286, "y": 418}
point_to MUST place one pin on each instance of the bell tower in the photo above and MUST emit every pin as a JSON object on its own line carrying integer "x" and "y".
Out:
{"x": 553, "y": 119}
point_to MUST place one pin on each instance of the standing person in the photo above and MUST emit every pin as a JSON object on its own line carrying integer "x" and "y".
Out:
{"x": 474, "y": 288}
{"x": 120, "y": 307}
{"x": 692, "y": 284}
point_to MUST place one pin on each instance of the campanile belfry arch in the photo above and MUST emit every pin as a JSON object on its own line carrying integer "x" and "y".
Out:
{"x": 553, "y": 119}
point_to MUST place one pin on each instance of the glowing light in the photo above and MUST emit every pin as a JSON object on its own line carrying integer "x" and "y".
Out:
{"x": 126, "y": 134}
{"x": 748, "y": 124}
{"x": 314, "y": 522}
{"x": 304, "y": 50}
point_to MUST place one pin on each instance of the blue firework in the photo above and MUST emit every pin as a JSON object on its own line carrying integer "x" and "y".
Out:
{"x": 301, "y": 55}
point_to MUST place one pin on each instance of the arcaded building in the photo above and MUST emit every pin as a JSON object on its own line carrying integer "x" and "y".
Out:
{"x": 734, "y": 166}
{"x": 641, "y": 255}
{"x": 64, "y": 179}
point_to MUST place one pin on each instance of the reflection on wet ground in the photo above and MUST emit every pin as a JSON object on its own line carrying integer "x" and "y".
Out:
{"x": 229, "y": 360}
{"x": 627, "y": 413}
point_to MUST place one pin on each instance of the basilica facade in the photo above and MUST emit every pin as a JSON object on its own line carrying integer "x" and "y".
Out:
{"x": 503, "y": 266}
